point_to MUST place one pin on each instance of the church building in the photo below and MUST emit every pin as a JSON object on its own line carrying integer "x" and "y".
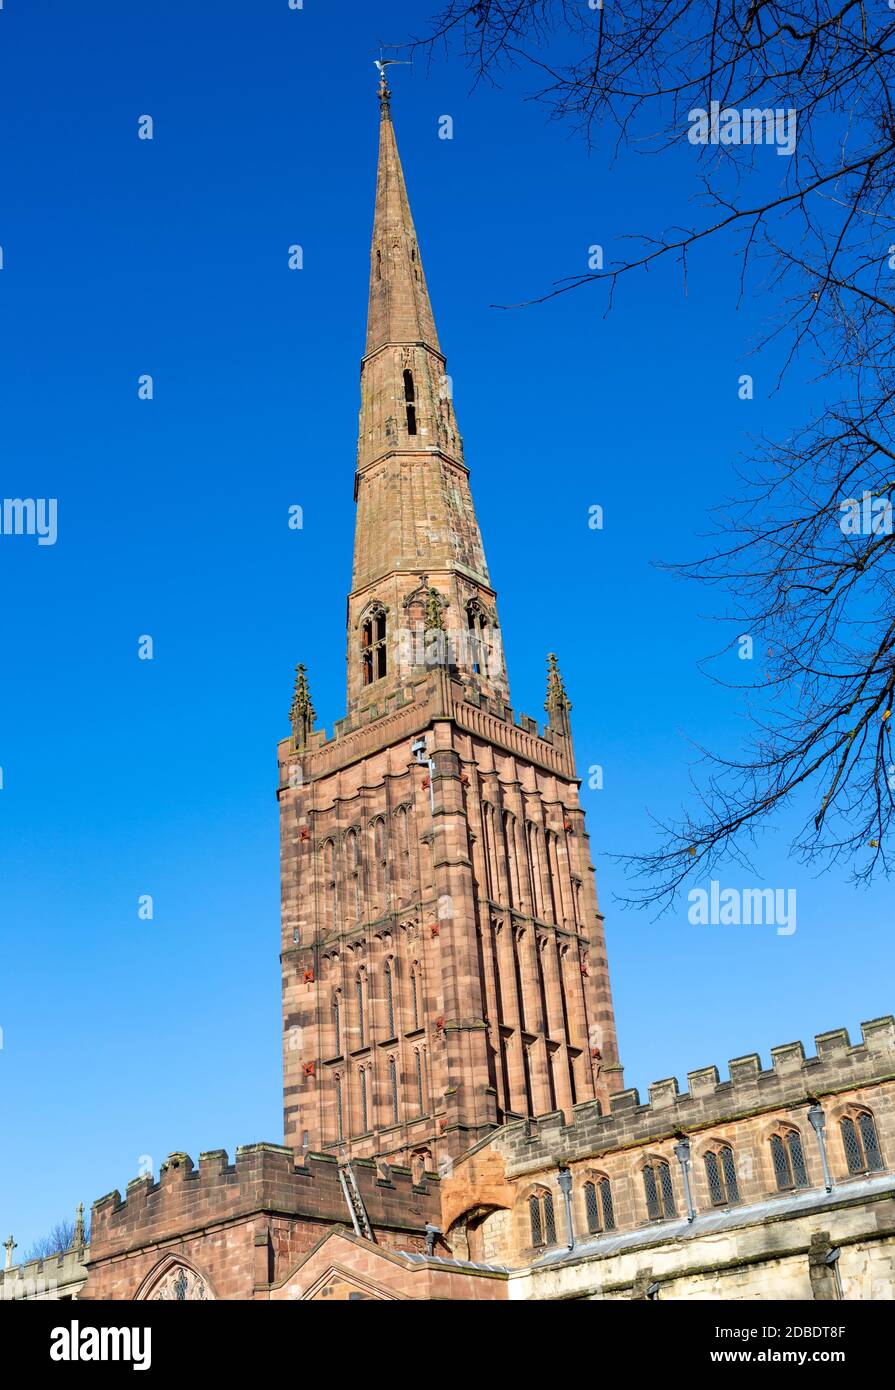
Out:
{"x": 456, "y": 1124}
{"x": 444, "y": 967}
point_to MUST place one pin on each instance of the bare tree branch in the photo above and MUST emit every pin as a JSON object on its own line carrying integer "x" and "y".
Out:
{"x": 805, "y": 554}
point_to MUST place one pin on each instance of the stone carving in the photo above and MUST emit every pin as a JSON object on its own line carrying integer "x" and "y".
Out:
{"x": 181, "y": 1285}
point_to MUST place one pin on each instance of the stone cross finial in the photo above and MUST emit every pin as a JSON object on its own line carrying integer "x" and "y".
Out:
{"x": 77, "y": 1241}
{"x": 9, "y": 1245}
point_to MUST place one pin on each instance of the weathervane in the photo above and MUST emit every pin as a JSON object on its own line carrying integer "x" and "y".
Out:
{"x": 383, "y": 63}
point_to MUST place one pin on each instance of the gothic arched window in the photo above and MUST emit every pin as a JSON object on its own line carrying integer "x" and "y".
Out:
{"x": 788, "y": 1158}
{"x": 598, "y": 1207}
{"x": 859, "y": 1139}
{"x": 337, "y": 1022}
{"x": 478, "y": 626}
{"x": 721, "y": 1173}
{"x": 659, "y": 1190}
{"x": 542, "y": 1218}
{"x": 374, "y": 656}
{"x": 534, "y": 1216}
{"x": 180, "y": 1284}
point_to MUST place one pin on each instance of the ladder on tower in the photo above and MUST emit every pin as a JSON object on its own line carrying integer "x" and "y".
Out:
{"x": 355, "y": 1202}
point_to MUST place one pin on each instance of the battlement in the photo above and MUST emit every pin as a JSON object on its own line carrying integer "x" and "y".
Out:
{"x": 406, "y": 711}
{"x": 265, "y": 1178}
{"x": 792, "y": 1079}
{"x": 52, "y": 1277}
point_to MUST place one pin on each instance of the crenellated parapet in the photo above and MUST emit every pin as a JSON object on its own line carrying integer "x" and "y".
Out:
{"x": 792, "y": 1080}
{"x": 265, "y": 1180}
{"x": 410, "y": 708}
{"x": 50, "y": 1278}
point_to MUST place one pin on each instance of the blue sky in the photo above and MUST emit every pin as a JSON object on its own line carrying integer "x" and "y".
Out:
{"x": 123, "y": 1039}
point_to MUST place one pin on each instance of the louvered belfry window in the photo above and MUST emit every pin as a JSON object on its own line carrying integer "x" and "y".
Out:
{"x": 374, "y": 651}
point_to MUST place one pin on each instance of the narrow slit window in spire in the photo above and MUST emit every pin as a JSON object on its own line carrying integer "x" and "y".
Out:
{"x": 410, "y": 399}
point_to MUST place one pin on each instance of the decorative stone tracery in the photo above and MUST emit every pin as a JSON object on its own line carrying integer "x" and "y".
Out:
{"x": 180, "y": 1284}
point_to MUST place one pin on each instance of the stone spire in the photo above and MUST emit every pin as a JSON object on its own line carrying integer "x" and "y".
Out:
{"x": 435, "y": 816}
{"x": 302, "y": 712}
{"x": 9, "y": 1245}
{"x": 416, "y": 526}
{"x": 400, "y": 311}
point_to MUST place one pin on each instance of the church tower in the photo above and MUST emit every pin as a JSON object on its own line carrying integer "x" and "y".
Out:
{"x": 443, "y": 958}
